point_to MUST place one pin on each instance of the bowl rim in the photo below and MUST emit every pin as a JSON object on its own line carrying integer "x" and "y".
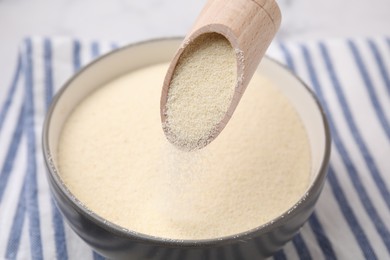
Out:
{"x": 53, "y": 175}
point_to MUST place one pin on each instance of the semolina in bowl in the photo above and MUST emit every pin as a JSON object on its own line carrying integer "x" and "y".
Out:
{"x": 129, "y": 194}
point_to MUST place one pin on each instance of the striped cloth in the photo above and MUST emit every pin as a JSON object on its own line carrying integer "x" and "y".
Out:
{"x": 352, "y": 218}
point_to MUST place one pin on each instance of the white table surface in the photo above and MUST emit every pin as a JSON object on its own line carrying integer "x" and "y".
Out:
{"x": 130, "y": 20}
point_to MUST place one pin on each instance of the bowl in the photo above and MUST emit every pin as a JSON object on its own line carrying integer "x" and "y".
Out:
{"x": 116, "y": 242}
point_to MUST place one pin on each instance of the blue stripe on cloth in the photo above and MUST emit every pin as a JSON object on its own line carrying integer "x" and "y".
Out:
{"x": 47, "y": 57}
{"x": 17, "y": 227}
{"x": 301, "y": 247}
{"x": 95, "y": 49}
{"x": 10, "y": 95}
{"x": 59, "y": 231}
{"x": 76, "y": 55}
{"x": 368, "y": 205}
{"x": 371, "y": 92}
{"x": 11, "y": 154}
{"x": 381, "y": 65}
{"x": 388, "y": 42}
{"x": 381, "y": 184}
{"x": 32, "y": 186}
{"x": 321, "y": 237}
{"x": 350, "y": 216}
{"x": 354, "y": 129}
{"x": 97, "y": 256}
{"x": 114, "y": 46}
{"x": 288, "y": 58}
{"x": 314, "y": 222}
{"x": 362, "y": 240}
{"x": 280, "y": 255}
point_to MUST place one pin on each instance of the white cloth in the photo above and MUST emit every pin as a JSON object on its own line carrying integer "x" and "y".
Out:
{"x": 352, "y": 81}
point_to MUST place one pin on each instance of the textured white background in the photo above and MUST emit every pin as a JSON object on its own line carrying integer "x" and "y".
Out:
{"x": 131, "y": 20}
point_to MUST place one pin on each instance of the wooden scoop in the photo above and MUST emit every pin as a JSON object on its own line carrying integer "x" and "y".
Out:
{"x": 249, "y": 26}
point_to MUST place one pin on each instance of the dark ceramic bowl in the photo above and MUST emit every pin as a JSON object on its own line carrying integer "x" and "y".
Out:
{"x": 116, "y": 242}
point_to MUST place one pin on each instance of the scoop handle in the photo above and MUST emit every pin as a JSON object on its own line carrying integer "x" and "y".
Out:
{"x": 249, "y": 26}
